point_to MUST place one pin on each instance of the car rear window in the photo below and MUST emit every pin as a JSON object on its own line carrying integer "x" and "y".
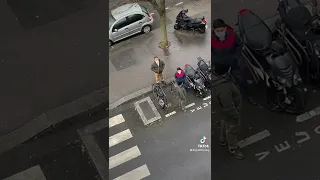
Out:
{"x": 111, "y": 20}
{"x": 144, "y": 9}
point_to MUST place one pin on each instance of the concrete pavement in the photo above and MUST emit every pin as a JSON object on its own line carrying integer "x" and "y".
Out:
{"x": 132, "y": 57}
{"x": 289, "y": 152}
{"x": 52, "y": 64}
{"x": 57, "y": 153}
{"x": 167, "y": 147}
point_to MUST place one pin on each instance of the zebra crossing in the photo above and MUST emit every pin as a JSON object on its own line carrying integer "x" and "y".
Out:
{"x": 127, "y": 155}
{"x": 125, "y": 160}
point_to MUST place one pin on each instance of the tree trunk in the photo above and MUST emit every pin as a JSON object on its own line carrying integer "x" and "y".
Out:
{"x": 163, "y": 31}
{"x": 164, "y": 43}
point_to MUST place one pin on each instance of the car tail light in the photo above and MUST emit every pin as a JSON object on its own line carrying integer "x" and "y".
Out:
{"x": 149, "y": 16}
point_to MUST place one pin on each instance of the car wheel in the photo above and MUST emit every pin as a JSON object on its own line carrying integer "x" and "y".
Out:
{"x": 146, "y": 29}
{"x": 110, "y": 43}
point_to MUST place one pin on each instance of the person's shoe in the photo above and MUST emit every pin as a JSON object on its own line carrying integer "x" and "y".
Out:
{"x": 163, "y": 82}
{"x": 223, "y": 141}
{"x": 237, "y": 153}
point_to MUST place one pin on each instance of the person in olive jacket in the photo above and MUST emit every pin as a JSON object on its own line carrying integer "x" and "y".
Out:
{"x": 157, "y": 67}
{"x": 227, "y": 101}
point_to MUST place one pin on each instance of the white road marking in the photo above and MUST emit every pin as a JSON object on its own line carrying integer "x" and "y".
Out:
{"x": 189, "y": 105}
{"x": 151, "y": 14}
{"x": 120, "y": 137}
{"x": 282, "y": 147}
{"x": 136, "y": 174}
{"x": 124, "y": 156}
{"x": 167, "y": 8}
{"x": 118, "y": 119}
{"x": 172, "y": 113}
{"x": 206, "y": 98}
{"x": 254, "y": 138}
{"x": 179, "y": 3}
{"x": 262, "y": 155}
{"x": 308, "y": 115}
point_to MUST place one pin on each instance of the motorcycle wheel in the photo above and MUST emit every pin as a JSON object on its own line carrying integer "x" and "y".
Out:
{"x": 202, "y": 30}
{"x": 201, "y": 93}
{"x": 176, "y": 27}
{"x": 297, "y": 97}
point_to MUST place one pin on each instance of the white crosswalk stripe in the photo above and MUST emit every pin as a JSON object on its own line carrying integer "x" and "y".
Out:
{"x": 137, "y": 173}
{"x": 116, "y": 120}
{"x": 120, "y": 137}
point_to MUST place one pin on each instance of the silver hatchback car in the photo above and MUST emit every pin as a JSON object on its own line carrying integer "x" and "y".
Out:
{"x": 127, "y": 20}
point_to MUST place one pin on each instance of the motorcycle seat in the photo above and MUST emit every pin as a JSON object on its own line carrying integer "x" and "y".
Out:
{"x": 196, "y": 21}
{"x": 254, "y": 32}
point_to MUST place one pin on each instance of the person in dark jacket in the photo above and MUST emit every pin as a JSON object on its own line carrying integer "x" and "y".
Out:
{"x": 226, "y": 48}
{"x": 157, "y": 67}
{"x": 227, "y": 102}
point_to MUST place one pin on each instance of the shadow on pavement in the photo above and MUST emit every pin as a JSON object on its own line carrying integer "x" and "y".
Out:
{"x": 34, "y": 13}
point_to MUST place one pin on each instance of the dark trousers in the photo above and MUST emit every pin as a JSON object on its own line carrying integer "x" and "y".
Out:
{"x": 241, "y": 74}
{"x": 229, "y": 131}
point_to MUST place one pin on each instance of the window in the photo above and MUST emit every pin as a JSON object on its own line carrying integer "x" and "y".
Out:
{"x": 111, "y": 21}
{"x": 134, "y": 18}
{"x": 144, "y": 9}
{"x": 121, "y": 24}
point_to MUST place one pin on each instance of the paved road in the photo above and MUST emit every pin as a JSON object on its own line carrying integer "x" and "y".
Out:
{"x": 52, "y": 64}
{"x": 165, "y": 145}
{"x": 162, "y": 149}
{"x": 132, "y": 57}
{"x": 57, "y": 154}
{"x": 297, "y": 162}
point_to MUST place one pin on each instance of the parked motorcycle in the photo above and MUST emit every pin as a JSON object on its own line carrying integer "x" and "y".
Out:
{"x": 185, "y": 22}
{"x": 270, "y": 58}
{"x": 303, "y": 29}
{"x": 195, "y": 81}
{"x": 205, "y": 71}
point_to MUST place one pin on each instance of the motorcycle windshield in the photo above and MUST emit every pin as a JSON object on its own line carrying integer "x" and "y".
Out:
{"x": 254, "y": 32}
{"x": 190, "y": 71}
{"x": 203, "y": 66}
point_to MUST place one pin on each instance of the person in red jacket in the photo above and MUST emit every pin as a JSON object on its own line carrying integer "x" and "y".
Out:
{"x": 226, "y": 48}
{"x": 180, "y": 78}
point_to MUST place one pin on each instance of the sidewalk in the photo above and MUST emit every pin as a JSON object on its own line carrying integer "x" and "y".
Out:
{"x": 50, "y": 65}
{"x": 129, "y": 66}
{"x": 57, "y": 154}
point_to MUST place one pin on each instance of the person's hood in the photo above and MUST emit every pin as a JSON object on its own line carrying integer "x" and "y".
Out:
{"x": 180, "y": 75}
{"x": 229, "y": 30}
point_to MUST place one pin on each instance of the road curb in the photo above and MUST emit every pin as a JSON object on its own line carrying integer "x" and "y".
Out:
{"x": 52, "y": 117}
{"x": 134, "y": 95}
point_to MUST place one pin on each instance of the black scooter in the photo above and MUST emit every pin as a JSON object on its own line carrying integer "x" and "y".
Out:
{"x": 184, "y": 22}
{"x": 195, "y": 81}
{"x": 205, "y": 71}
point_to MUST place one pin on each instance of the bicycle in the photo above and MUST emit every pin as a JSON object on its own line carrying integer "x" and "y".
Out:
{"x": 160, "y": 95}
